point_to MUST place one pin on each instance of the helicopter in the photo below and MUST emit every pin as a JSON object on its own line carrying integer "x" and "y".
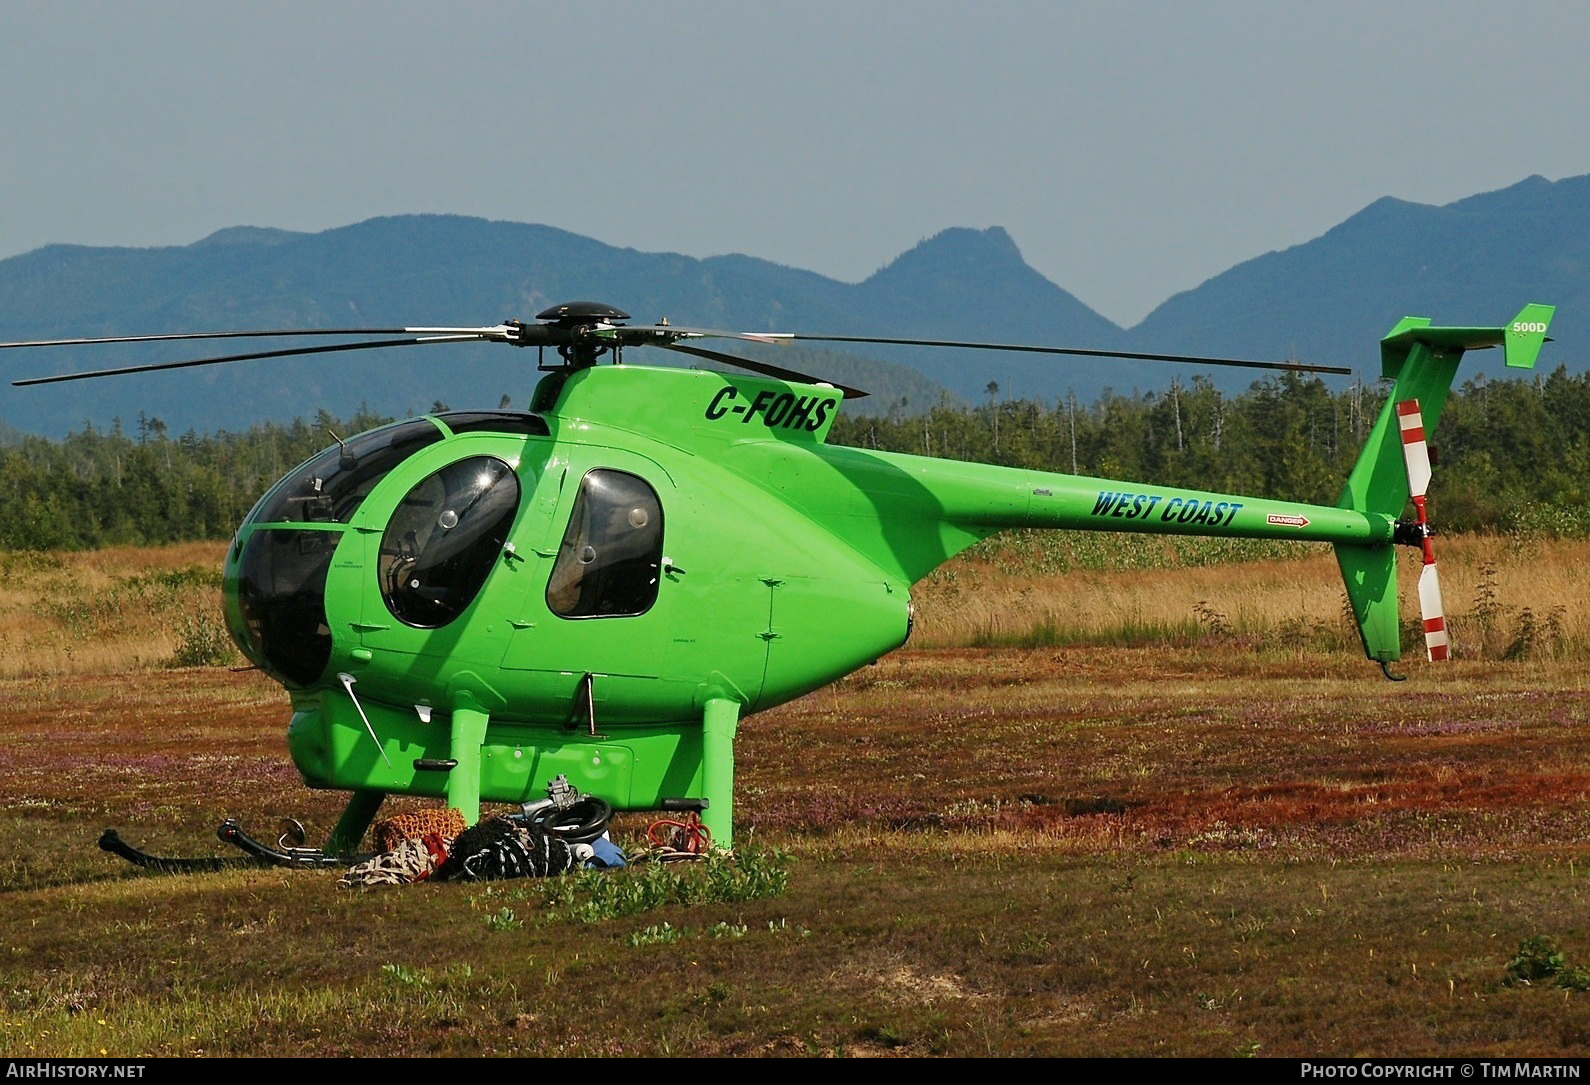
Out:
{"x": 470, "y": 604}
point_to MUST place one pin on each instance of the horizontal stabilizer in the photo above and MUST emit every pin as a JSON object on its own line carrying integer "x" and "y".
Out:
{"x": 1520, "y": 339}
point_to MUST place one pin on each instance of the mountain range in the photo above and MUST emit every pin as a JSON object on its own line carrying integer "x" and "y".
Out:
{"x": 1474, "y": 261}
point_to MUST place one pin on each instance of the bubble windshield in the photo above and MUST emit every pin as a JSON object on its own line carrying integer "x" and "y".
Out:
{"x": 329, "y": 488}
{"x": 281, "y": 595}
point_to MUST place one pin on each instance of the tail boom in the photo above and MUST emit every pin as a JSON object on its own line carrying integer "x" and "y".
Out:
{"x": 1066, "y": 501}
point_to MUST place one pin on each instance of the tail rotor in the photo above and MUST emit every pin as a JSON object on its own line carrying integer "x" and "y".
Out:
{"x": 1416, "y": 457}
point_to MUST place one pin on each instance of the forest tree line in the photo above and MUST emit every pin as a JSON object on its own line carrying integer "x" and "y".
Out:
{"x": 1513, "y": 455}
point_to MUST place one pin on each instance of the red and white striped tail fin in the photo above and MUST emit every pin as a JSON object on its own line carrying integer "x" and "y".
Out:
{"x": 1416, "y": 457}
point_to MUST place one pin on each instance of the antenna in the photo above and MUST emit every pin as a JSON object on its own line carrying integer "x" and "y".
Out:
{"x": 347, "y": 460}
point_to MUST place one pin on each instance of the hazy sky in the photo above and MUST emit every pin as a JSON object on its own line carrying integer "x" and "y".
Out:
{"x": 1131, "y": 149}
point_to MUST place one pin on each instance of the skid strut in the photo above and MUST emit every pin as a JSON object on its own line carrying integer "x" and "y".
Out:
{"x": 283, "y": 854}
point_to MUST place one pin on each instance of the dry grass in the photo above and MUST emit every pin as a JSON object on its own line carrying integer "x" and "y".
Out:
{"x": 101, "y": 611}
{"x": 1503, "y": 596}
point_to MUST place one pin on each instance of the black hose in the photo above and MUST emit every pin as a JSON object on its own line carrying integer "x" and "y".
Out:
{"x": 580, "y": 823}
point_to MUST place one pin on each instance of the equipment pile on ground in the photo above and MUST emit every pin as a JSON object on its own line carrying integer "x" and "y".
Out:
{"x": 564, "y": 832}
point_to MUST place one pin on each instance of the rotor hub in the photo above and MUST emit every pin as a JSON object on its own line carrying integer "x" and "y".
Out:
{"x": 578, "y": 344}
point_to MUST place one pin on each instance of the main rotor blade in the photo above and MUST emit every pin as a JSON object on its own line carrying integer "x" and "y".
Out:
{"x": 289, "y": 352}
{"x": 498, "y": 331}
{"x": 1240, "y": 363}
{"x": 202, "y": 335}
{"x": 760, "y": 367}
{"x": 647, "y": 334}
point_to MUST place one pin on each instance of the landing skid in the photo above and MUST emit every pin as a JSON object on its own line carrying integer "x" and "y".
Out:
{"x": 112, "y": 842}
{"x": 287, "y": 852}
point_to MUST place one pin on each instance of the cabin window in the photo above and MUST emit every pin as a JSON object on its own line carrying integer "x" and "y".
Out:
{"x": 444, "y": 538}
{"x": 608, "y": 563}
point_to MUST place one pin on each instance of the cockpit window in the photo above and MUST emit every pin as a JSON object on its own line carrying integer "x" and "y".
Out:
{"x": 608, "y": 563}
{"x": 444, "y": 538}
{"x": 329, "y": 488}
{"x": 281, "y": 593}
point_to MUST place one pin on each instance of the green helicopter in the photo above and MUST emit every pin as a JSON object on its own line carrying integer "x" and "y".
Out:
{"x": 470, "y": 604}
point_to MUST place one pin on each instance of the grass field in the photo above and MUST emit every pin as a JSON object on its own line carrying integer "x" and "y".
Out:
{"x": 1082, "y": 815}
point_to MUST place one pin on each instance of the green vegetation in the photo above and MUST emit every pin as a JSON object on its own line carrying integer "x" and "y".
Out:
{"x": 98, "y": 488}
{"x": 1538, "y": 959}
{"x": 203, "y": 641}
{"x": 593, "y": 896}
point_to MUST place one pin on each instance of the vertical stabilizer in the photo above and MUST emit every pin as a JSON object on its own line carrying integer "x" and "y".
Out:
{"x": 1422, "y": 360}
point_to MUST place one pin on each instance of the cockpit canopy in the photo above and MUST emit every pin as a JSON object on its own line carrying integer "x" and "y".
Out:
{"x": 436, "y": 552}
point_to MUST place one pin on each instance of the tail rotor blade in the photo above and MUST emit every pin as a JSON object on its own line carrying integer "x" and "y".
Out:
{"x": 1415, "y": 451}
{"x": 1416, "y": 458}
{"x": 1433, "y": 612}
